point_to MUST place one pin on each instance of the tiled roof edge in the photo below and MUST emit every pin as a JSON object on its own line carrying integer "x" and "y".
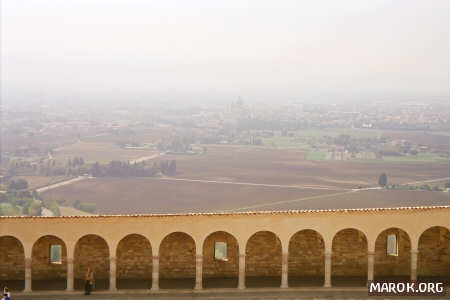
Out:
{"x": 275, "y": 212}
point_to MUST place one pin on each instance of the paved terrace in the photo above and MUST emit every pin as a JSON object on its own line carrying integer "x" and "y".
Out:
{"x": 222, "y": 294}
{"x": 303, "y": 249}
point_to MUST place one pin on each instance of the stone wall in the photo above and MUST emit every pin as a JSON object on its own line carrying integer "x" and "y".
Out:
{"x": 177, "y": 256}
{"x": 12, "y": 259}
{"x": 218, "y": 268}
{"x": 349, "y": 254}
{"x": 41, "y": 268}
{"x": 91, "y": 251}
{"x": 306, "y": 254}
{"x": 263, "y": 255}
{"x": 134, "y": 258}
{"x": 434, "y": 253}
{"x": 388, "y": 265}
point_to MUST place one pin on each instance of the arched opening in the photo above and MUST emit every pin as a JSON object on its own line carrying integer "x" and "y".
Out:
{"x": 434, "y": 255}
{"x": 12, "y": 263}
{"x": 49, "y": 264}
{"x": 263, "y": 260}
{"x": 392, "y": 255}
{"x": 306, "y": 259}
{"x": 92, "y": 251}
{"x": 349, "y": 258}
{"x": 220, "y": 260}
{"x": 177, "y": 261}
{"x": 134, "y": 263}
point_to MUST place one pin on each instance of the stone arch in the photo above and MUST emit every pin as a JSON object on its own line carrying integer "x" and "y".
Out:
{"x": 177, "y": 261}
{"x": 392, "y": 267}
{"x": 12, "y": 263}
{"x": 220, "y": 273}
{"x": 306, "y": 258}
{"x": 263, "y": 260}
{"x": 44, "y": 274}
{"x": 349, "y": 257}
{"x": 92, "y": 251}
{"x": 433, "y": 260}
{"x": 134, "y": 262}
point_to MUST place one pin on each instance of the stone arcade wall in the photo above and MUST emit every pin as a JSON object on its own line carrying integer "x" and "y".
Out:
{"x": 12, "y": 259}
{"x": 134, "y": 258}
{"x": 263, "y": 255}
{"x": 267, "y": 243}
{"x": 349, "y": 254}
{"x": 306, "y": 254}
{"x": 41, "y": 267}
{"x": 177, "y": 256}
{"x": 217, "y": 268}
{"x": 434, "y": 253}
{"x": 388, "y": 266}
{"x": 91, "y": 251}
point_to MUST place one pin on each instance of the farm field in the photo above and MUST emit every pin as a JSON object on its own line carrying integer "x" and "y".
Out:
{"x": 291, "y": 167}
{"x": 70, "y": 211}
{"x": 102, "y": 152}
{"x": 363, "y": 199}
{"x": 40, "y": 181}
{"x": 246, "y": 178}
{"x": 152, "y": 195}
{"x": 429, "y": 147}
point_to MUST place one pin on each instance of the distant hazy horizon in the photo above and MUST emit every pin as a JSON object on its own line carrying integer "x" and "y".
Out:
{"x": 217, "y": 50}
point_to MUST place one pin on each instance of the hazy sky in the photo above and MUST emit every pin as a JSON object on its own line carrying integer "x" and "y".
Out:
{"x": 337, "y": 50}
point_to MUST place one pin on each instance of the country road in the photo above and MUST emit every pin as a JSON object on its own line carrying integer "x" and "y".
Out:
{"x": 244, "y": 208}
{"x": 258, "y": 206}
{"x": 56, "y": 185}
{"x": 428, "y": 181}
{"x": 145, "y": 158}
{"x": 315, "y": 187}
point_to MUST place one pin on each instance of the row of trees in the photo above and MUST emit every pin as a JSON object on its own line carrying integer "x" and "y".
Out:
{"x": 383, "y": 182}
{"x": 73, "y": 167}
{"x": 76, "y": 161}
{"x": 19, "y": 202}
{"x": 17, "y": 184}
{"x": 118, "y": 168}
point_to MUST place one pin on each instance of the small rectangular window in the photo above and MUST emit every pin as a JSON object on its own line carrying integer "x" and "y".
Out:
{"x": 55, "y": 254}
{"x": 392, "y": 245}
{"x": 220, "y": 251}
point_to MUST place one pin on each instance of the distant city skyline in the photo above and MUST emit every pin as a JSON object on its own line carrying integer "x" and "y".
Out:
{"x": 202, "y": 51}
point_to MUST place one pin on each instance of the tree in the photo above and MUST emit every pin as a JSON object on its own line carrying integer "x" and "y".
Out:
{"x": 19, "y": 184}
{"x": 447, "y": 185}
{"x": 172, "y": 167}
{"x": 96, "y": 170}
{"x": 436, "y": 188}
{"x": 382, "y": 180}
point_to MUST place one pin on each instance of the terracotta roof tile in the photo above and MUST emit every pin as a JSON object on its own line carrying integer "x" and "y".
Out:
{"x": 275, "y": 212}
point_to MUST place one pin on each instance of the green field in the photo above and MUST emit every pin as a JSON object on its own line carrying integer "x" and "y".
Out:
{"x": 420, "y": 157}
{"x": 317, "y": 155}
{"x": 285, "y": 142}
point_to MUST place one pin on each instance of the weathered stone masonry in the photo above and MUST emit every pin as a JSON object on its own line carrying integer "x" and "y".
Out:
{"x": 292, "y": 247}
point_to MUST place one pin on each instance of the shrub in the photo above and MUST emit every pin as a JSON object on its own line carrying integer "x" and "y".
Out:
{"x": 437, "y": 188}
{"x": 382, "y": 180}
{"x": 85, "y": 206}
{"x": 426, "y": 187}
{"x": 52, "y": 206}
{"x": 7, "y": 209}
{"x": 17, "y": 184}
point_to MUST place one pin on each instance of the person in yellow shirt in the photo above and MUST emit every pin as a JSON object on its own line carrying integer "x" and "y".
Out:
{"x": 89, "y": 281}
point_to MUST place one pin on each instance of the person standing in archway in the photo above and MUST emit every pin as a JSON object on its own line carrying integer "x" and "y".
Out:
{"x": 89, "y": 281}
{"x": 6, "y": 294}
